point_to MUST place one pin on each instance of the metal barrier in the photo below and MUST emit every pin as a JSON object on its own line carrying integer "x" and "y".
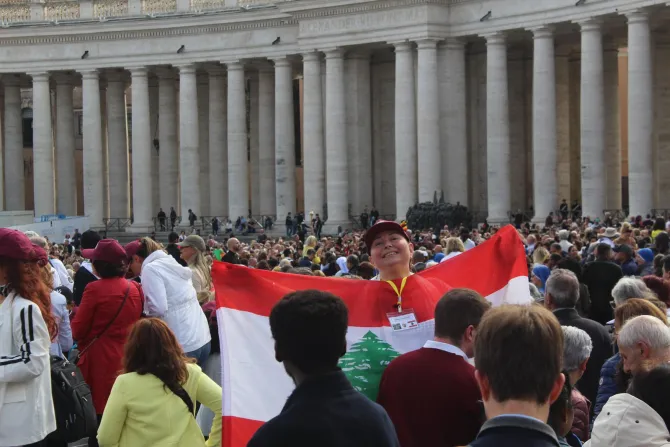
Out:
{"x": 116, "y": 223}
{"x": 168, "y": 224}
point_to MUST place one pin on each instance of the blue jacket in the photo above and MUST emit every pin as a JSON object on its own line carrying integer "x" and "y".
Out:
{"x": 607, "y": 387}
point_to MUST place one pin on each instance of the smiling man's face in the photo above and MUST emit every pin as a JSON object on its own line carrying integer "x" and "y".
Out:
{"x": 390, "y": 248}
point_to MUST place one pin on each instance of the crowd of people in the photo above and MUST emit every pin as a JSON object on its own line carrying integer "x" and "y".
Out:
{"x": 587, "y": 362}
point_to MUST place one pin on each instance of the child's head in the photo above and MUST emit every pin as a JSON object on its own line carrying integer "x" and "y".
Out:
{"x": 561, "y": 412}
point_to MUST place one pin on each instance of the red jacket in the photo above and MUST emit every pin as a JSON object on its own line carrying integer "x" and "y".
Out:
{"x": 580, "y": 423}
{"x": 102, "y": 362}
{"x": 432, "y": 398}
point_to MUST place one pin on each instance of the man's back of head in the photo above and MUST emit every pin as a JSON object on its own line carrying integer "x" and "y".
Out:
{"x": 603, "y": 252}
{"x": 518, "y": 358}
{"x": 562, "y": 290}
{"x": 173, "y": 237}
{"x": 457, "y": 316}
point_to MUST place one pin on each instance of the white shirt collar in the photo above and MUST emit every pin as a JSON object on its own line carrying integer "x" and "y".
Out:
{"x": 446, "y": 347}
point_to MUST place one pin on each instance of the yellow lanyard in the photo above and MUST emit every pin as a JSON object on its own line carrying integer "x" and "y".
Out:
{"x": 399, "y": 292}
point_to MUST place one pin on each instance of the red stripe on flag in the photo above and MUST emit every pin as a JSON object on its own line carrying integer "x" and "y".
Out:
{"x": 486, "y": 269}
{"x": 236, "y": 432}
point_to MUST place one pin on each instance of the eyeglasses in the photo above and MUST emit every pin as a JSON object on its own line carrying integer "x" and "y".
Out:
{"x": 613, "y": 304}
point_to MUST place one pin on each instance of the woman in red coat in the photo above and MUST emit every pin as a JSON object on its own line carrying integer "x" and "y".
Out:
{"x": 109, "y": 307}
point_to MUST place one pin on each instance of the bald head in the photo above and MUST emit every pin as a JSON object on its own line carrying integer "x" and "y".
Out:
{"x": 233, "y": 245}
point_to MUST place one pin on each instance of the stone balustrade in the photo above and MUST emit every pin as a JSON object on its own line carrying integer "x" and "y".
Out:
{"x": 61, "y": 10}
{"x": 158, "y": 6}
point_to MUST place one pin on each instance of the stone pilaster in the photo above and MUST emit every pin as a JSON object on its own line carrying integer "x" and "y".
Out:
{"x": 238, "y": 168}
{"x": 314, "y": 164}
{"x": 66, "y": 179}
{"x": 143, "y": 208}
{"x": 218, "y": 144}
{"x": 266, "y": 140}
{"x": 13, "y": 145}
{"x": 284, "y": 140}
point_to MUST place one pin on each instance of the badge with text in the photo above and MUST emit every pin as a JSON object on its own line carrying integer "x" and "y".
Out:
{"x": 401, "y": 321}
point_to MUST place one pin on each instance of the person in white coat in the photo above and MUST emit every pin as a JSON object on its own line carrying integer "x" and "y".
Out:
{"x": 170, "y": 295}
{"x": 26, "y": 330}
{"x": 58, "y": 270}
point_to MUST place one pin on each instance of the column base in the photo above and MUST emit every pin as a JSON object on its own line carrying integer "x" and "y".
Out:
{"x": 140, "y": 228}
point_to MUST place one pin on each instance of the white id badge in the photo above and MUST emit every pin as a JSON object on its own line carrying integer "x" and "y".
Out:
{"x": 401, "y": 321}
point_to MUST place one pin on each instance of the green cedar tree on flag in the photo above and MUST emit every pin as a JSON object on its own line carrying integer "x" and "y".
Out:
{"x": 365, "y": 361}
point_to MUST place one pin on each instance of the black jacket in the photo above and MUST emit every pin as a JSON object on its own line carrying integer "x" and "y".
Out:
{"x": 81, "y": 280}
{"x": 601, "y": 277}
{"x": 231, "y": 258}
{"x": 326, "y": 411}
{"x": 602, "y": 349}
{"x": 515, "y": 431}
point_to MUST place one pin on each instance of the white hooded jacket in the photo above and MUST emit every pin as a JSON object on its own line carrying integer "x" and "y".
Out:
{"x": 626, "y": 421}
{"x": 170, "y": 295}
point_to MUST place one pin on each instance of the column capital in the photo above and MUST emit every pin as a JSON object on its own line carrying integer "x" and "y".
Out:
{"x": 453, "y": 43}
{"x": 334, "y": 53}
{"x": 495, "y": 39}
{"x": 402, "y": 46}
{"x": 235, "y": 65}
{"x": 39, "y": 76}
{"x": 636, "y": 16}
{"x": 312, "y": 56}
{"x": 590, "y": 24}
{"x": 141, "y": 72}
{"x": 542, "y": 32}
{"x": 426, "y": 44}
{"x": 215, "y": 71}
{"x": 186, "y": 68}
{"x": 63, "y": 78}
{"x": 282, "y": 61}
{"x": 165, "y": 73}
{"x": 92, "y": 73}
{"x": 116, "y": 76}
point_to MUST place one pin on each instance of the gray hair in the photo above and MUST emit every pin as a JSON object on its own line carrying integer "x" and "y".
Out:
{"x": 563, "y": 287}
{"x": 577, "y": 346}
{"x": 563, "y": 235}
{"x": 629, "y": 287}
{"x": 39, "y": 241}
{"x": 31, "y": 234}
{"x": 645, "y": 329}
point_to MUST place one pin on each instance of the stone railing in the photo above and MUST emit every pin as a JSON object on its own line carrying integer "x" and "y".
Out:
{"x": 110, "y": 8}
{"x": 61, "y": 10}
{"x": 158, "y": 6}
{"x": 203, "y": 5}
{"x": 14, "y": 11}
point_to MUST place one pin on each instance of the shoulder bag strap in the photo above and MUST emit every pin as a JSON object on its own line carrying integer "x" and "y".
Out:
{"x": 125, "y": 297}
{"x": 183, "y": 395}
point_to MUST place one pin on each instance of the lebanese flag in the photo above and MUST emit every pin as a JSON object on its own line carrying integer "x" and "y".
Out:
{"x": 255, "y": 386}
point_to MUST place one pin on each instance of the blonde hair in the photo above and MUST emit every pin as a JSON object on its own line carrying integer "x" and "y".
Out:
{"x": 151, "y": 246}
{"x": 540, "y": 255}
{"x": 454, "y": 244}
{"x": 311, "y": 241}
{"x": 199, "y": 264}
{"x": 47, "y": 277}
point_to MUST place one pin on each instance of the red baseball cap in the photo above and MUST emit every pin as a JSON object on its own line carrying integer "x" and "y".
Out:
{"x": 379, "y": 227}
{"x": 107, "y": 250}
{"x": 132, "y": 248}
{"x": 16, "y": 245}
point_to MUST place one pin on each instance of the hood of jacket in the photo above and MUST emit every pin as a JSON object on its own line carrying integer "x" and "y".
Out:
{"x": 626, "y": 421}
{"x": 166, "y": 264}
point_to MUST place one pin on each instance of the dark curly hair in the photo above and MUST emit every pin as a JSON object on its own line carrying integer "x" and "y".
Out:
{"x": 152, "y": 348}
{"x": 309, "y": 328}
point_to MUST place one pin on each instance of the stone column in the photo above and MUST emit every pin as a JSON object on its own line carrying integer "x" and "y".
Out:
{"x": 155, "y": 154}
{"x": 189, "y": 157}
{"x": 563, "y": 124}
{"x": 405, "y": 130}
{"x": 640, "y": 114}
{"x": 3, "y": 188}
{"x": 266, "y": 140}
{"x": 453, "y": 121}
{"x": 143, "y": 209}
{"x": 203, "y": 142}
{"x": 253, "y": 145}
{"x": 168, "y": 158}
{"x": 92, "y": 144}
{"x": 66, "y": 178}
{"x": 43, "y": 151}
{"x": 284, "y": 139}
{"x": 428, "y": 122}
{"x": 105, "y": 148}
{"x": 117, "y": 145}
{"x": 497, "y": 130}
{"x": 592, "y": 116}
{"x": 545, "y": 186}
{"x": 612, "y": 165}
{"x": 13, "y": 146}
{"x": 218, "y": 144}
{"x": 315, "y": 175}
{"x": 238, "y": 168}
{"x": 337, "y": 189}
